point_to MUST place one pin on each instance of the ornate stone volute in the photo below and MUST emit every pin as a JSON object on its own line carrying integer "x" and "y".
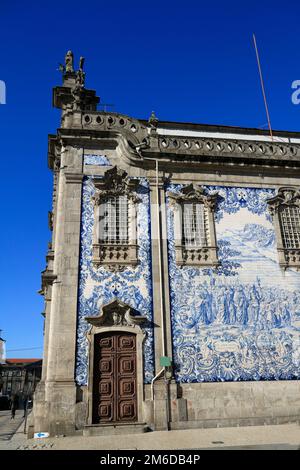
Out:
{"x": 116, "y": 313}
{"x": 286, "y": 196}
{"x": 116, "y": 182}
{"x": 193, "y": 193}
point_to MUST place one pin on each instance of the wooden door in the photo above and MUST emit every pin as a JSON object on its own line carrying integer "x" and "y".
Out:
{"x": 114, "y": 388}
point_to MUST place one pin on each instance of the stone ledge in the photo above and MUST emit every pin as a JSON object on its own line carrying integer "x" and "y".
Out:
{"x": 234, "y": 422}
{"x": 114, "y": 429}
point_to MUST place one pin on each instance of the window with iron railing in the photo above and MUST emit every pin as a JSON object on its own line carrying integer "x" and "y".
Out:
{"x": 290, "y": 226}
{"x": 115, "y": 221}
{"x": 285, "y": 211}
{"x": 194, "y": 225}
{"x": 114, "y": 224}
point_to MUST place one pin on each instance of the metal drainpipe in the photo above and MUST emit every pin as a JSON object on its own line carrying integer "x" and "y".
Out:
{"x": 160, "y": 263}
{"x": 152, "y": 382}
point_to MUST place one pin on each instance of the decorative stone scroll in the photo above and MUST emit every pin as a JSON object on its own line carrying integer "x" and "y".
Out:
{"x": 193, "y": 193}
{"x": 116, "y": 313}
{"x": 116, "y": 182}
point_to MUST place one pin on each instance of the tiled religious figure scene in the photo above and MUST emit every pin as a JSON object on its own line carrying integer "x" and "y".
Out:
{"x": 241, "y": 320}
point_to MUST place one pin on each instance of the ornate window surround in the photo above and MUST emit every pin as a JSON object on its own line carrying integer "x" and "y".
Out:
{"x": 286, "y": 197}
{"x": 115, "y": 182}
{"x": 193, "y": 256}
{"x": 117, "y": 317}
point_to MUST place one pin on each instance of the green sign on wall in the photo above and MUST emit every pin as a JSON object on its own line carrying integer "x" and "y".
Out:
{"x": 165, "y": 361}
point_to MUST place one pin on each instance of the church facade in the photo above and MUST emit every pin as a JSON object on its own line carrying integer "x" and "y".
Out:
{"x": 172, "y": 286}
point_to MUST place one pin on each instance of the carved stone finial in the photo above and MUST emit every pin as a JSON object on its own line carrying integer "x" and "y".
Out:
{"x": 69, "y": 62}
{"x": 80, "y": 79}
{"x": 78, "y": 88}
{"x": 61, "y": 68}
{"x": 81, "y": 63}
{"x": 153, "y": 121}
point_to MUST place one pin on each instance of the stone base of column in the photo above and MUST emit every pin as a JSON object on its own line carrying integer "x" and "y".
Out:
{"x": 38, "y": 419}
{"x": 54, "y": 409}
{"x": 168, "y": 406}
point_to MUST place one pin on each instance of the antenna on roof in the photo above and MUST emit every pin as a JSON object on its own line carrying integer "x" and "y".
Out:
{"x": 262, "y": 86}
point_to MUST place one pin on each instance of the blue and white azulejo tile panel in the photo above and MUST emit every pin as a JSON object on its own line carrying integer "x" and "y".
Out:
{"x": 100, "y": 160}
{"x": 99, "y": 286}
{"x": 240, "y": 321}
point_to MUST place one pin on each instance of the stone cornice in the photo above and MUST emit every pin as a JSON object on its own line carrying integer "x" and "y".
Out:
{"x": 74, "y": 178}
{"x": 138, "y": 144}
{"x": 213, "y": 128}
{"x": 227, "y": 148}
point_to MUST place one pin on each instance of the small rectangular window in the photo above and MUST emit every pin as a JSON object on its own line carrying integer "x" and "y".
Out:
{"x": 115, "y": 220}
{"x": 194, "y": 225}
{"x": 290, "y": 226}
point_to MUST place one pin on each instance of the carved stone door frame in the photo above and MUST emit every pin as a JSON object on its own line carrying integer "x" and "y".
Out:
{"x": 117, "y": 312}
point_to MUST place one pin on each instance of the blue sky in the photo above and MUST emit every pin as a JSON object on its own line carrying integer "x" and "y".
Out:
{"x": 189, "y": 61}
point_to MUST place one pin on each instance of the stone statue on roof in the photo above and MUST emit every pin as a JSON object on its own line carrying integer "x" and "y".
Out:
{"x": 81, "y": 63}
{"x": 69, "y": 62}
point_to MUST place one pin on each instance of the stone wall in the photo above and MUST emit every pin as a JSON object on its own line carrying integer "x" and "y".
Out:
{"x": 240, "y": 403}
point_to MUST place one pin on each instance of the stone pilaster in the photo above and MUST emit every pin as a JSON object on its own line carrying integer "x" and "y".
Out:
{"x": 160, "y": 275}
{"x": 60, "y": 390}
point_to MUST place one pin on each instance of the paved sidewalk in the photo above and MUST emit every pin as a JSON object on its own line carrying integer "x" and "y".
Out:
{"x": 9, "y": 426}
{"x": 252, "y": 437}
